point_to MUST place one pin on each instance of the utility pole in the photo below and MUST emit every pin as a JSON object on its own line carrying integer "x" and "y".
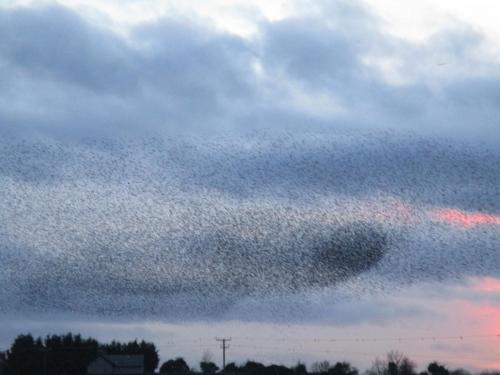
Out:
{"x": 223, "y": 347}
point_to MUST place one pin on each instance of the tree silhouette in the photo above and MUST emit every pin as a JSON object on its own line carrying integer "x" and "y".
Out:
{"x": 435, "y": 368}
{"x": 342, "y": 368}
{"x": 300, "y": 369}
{"x": 25, "y": 356}
{"x": 396, "y": 363}
{"x": 232, "y": 368}
{"x": 392, "y": 368}
{"x": 56, "y": 355}
{"x": 253, "y": 368}
{"x": 175, "y": 366}
{"x": 320, "y": 367}
{"x": 208, "y": 367}
{"x": 69, "y": 354}
{"x": 278, "y": 370}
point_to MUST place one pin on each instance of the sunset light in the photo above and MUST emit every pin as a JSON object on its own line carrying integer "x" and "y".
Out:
{"x": 249, "y": 187}
{"x": 466, "y": 219}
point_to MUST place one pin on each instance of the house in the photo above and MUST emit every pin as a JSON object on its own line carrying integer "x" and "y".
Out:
{"x": 110, "y": 364}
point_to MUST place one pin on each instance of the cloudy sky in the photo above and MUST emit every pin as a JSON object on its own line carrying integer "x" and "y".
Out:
{"x": 321, "y": 177}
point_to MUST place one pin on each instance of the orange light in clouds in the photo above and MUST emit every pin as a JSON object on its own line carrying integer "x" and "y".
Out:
{"x": 466, "y": 219}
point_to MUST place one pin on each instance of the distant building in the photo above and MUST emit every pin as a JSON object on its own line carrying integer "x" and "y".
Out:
{"x": 111, "y": 364}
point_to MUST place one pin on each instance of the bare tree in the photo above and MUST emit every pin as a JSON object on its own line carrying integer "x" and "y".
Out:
{"x": 395, "y": 357}
{"x": 396, "y": 363}
{"x": 407, "y": 367}
{"x": 379, "y": 367}
{"x": 320, "y": 367}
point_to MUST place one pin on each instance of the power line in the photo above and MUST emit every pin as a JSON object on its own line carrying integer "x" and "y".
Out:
{"x": 374, "y": 339}
{"x": 300, "y": 350}
{"x": 358, "y": 339}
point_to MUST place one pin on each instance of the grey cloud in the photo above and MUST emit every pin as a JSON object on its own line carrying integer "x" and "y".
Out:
{"x": 183, "y": 59}
{"x": 481, "y": 94}
{"x": 65, "y": 76}
{"x": 87, "y": 80}
{"x": 311, "y": 52}
{"x": 56, "y": 44}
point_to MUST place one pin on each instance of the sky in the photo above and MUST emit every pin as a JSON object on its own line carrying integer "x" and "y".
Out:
{"x": 317, "y": 180}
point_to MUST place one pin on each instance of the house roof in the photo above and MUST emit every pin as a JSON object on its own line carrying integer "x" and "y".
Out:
{"x": 125, "y": 361}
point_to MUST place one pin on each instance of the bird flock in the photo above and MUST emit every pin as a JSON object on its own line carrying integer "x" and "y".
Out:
{"x": 179, "y": 228}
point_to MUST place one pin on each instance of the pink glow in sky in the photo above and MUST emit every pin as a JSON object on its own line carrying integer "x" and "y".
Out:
{"x": 487, "y": 284}
{"x": 466, "y": 219}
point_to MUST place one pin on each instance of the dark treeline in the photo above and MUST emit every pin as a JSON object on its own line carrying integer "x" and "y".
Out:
{"x": 68, "y": 354}
{"x": 71, "y": 354}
